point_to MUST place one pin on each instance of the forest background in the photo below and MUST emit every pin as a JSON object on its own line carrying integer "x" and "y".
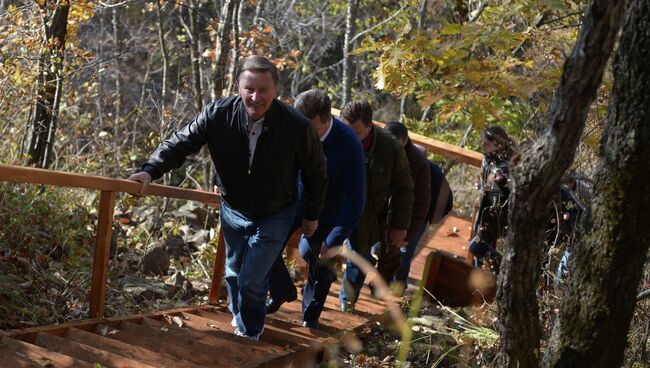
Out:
{"x": 93, "y": 87}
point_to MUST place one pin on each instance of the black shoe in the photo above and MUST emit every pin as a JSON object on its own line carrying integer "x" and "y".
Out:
{"x": 272, "y": 305}
{"x": 314, "y": 325}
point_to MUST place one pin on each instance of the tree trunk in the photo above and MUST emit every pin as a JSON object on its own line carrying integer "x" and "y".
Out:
{"x": 193, "y": 37}
{"x": 44, "y": 123}
{"x": 237, "y": 26}
{"x": 346, "y": 79}
{"x": 117, "y": 39}
{"x": 165, "y": 60}
{"x": 536, "y": 180}
{"x": 259, "y": 7}
{"x": 592, "y": 327}
{"x": 402, "y": 109}
{"x": 219, "y": 70}
{"x": 197, "y": 92}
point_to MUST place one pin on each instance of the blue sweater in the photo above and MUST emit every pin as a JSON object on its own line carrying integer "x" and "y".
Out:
{"x": 346, "y": 185}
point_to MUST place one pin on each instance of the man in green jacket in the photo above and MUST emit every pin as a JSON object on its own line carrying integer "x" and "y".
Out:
{"x": 389, "y": 188}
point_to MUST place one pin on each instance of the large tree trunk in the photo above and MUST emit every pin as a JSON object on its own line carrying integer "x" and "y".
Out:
{"x": 43, "y": 126}
{"x": 536, "y": 180}
{"x": 219, "y": 66}
{"x": 607, "y": 265}
{"x": 346, "y": 79}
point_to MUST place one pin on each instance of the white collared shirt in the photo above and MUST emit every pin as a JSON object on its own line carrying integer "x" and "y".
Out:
{"x": 329, "y": 129}
{"x": 254, "y": 130}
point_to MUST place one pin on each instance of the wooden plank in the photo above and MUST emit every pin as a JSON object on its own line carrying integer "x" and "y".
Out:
{"x": 236, "y": 350}
{"x": 208, "y": 326}
{"x": 21, "y": 174}
{"x": 271, "y": 335}
{"x": 218, "y": 269}
{"x": 102, "y": 252}
{"x": 44, "y": 357}
{"x": 433, "y": 264}
{"x": 85, "y": 352}
{"x": 331, "y": 319}
{"x": 455, "y": 283}
{"x": 11, "y": 359}
{"x": 447, "y": 150}
{"x": 126, "y": 350}
{"x": 156, "y": 340}
{"x": 90, "y": 324}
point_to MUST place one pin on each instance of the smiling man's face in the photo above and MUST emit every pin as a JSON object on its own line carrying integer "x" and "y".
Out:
{"x": 257, "y": 90}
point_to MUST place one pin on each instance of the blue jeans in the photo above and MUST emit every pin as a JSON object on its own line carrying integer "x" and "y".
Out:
{"x": 280, "y": 282}
{"x": 320, "y": 277}
{"x": 406, "y": 255}
{"x": 353, "y": 279}
{"x": 252, "y": 245}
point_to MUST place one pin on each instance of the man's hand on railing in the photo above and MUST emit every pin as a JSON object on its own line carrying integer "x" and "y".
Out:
{"x": 142, "y": 177}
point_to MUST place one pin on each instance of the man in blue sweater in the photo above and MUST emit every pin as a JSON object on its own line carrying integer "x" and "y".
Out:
{"x": 344, "y": 203}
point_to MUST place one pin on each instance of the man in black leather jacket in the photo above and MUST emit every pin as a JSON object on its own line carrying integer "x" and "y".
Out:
{"x": 258, "y": 145}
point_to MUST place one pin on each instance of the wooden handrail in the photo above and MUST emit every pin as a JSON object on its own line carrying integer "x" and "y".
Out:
{"x": 451, "y": 151}
{"x": 21, "y": 174}
{"x": 108, "y": 187}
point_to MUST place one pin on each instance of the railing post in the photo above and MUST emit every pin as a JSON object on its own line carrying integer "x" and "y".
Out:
{"x": 102, "y": 250}
{"x": 218, "y": 270}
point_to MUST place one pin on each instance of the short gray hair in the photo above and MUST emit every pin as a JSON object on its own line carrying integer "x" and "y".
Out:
{"x": 256, "y": 63}
{"x": 314, "y": 103}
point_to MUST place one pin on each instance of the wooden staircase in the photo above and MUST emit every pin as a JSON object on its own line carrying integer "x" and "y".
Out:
{"x": 200, "y": 336}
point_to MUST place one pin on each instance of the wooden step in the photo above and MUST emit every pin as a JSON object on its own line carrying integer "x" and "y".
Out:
{"x": 85, "y": 352}
{"x": 42, "y": 356}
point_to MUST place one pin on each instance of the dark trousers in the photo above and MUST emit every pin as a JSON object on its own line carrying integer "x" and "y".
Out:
{"x": 280, "y": 282}
{"x": 322, "y": 273}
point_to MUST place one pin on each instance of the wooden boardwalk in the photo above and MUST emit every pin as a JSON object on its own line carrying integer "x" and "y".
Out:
{"x": 203, "y": 337}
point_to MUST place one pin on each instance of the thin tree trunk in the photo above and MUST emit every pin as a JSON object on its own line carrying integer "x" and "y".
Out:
{"x": 165, "y": 60}
{"x": 607, "y": 265}
{"x": 425, "y": 113}
{"x": 193, "y": 41}
{"x": 49, "y": 92}
{"x": 134, "y": 129}
{"x": 221, "y": 43}
{"x": 423, "y": 13}
{"x": 537, "y": 178}
{"x": 403, "y": 100}
{"x": 117, "y": 39}
{"x": 402, "y": 108}
{"x": 235, "y": 50}
{"x": 99, "y": 96}
{"x": 346, "y": 79}
{"x": 259, "y": 7}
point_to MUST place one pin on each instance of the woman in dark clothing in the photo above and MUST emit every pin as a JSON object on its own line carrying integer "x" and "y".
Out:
{"x": 491, "y": 219}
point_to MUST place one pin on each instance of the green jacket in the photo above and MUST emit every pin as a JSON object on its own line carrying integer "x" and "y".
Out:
{"x": 389, "y": 186}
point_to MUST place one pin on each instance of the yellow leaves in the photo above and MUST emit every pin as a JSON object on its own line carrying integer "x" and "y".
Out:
{"x": 451, "y": 29}
{"x": 431, "y": 98}
{"x": 85, "y": 54}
